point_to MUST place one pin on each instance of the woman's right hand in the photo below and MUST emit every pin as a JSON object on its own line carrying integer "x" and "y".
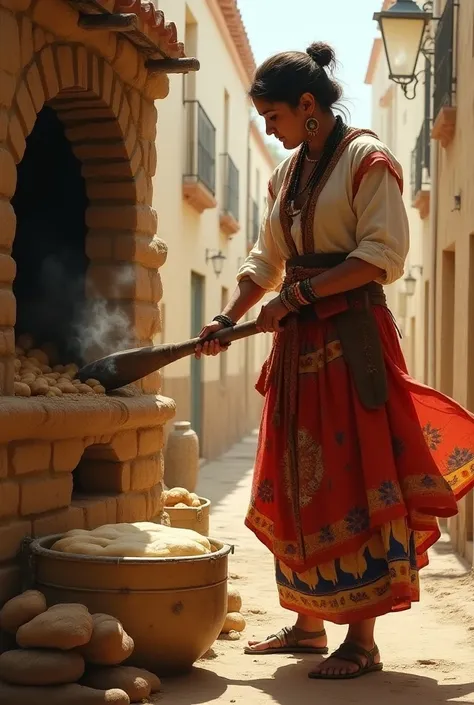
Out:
{"x": 210, "y": 347}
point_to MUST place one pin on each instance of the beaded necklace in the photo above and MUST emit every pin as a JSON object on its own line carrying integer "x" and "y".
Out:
{"x": 337, "y": 135}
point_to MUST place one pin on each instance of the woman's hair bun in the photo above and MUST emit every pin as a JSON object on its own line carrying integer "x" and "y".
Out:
{"x": 322, "y": 54}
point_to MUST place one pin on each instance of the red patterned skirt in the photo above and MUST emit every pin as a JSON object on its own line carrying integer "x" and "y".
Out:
{"x": 349, "y": 509}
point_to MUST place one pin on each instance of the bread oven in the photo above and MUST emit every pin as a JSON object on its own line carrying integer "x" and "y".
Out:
{"x": 79, "y": 261}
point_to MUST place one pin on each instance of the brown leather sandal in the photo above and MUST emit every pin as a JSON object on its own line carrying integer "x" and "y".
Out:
{"x": 290, "y": 638}
{"x": 352, "y": 653}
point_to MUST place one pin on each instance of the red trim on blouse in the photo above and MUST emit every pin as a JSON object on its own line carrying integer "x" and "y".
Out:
{"x": 367, "y": 163}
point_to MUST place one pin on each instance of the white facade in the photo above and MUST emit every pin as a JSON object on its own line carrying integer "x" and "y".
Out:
{"x": 216, "y": 394}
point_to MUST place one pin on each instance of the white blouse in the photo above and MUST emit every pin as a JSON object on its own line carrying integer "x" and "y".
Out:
{"x": 371, "y": 225}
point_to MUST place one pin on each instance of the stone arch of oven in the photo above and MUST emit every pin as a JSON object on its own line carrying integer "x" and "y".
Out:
{"x": 111, "y": 127}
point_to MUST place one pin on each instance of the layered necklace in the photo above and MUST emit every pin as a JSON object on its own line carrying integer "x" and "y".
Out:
{"x": 320, "y": 165}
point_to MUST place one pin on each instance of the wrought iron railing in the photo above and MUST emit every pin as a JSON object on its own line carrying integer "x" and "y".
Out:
{"x": 421, "y": 159}
{"x": 231, "y": 187}
{"x": 200, "y": 162}
{"x": 444, "y": 59}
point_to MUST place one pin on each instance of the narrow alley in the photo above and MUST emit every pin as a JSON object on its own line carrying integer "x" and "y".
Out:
{"x": 428, "y": 652}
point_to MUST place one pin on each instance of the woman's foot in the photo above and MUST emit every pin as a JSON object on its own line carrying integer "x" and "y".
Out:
{"x": 361, "y": 637}
{"x": 292, "y": 638}
{"x": 357, "y": 659}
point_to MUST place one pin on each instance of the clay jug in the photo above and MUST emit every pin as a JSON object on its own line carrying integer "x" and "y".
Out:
{"x": 182, "y": 457}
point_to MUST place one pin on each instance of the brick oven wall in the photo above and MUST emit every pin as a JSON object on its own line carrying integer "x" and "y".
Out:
{"x": 120, "y": 479}
{"x": 99, "y": 87}
{"x": 101, "y": 90}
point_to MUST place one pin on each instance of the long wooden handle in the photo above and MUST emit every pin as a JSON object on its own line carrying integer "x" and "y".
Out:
{"x": 238, "y": 332}
{"x": 225, "y": 335}
{"x": 127, "y": 366}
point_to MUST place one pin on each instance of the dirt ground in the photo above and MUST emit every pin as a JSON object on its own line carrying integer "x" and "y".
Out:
{"x": 428, "y": 652}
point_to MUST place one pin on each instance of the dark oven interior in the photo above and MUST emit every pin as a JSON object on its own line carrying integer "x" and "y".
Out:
{"x": 50, "y": 203}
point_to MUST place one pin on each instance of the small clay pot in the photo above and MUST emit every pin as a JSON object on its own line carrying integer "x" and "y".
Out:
{"x": 182, "y": 457}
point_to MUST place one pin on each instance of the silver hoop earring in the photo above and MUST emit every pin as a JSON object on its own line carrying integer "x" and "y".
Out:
{"x": 312, "y": 126}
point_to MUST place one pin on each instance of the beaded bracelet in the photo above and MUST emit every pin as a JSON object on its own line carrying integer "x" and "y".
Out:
{"x": 297, "y": 295}
{"x": 293, "y": 298}
{"x": 224, "y": 320}
{"x": 308, "y": 292}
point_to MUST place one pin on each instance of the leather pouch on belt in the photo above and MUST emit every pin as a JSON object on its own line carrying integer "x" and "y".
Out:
{"x": 362, "y": 350}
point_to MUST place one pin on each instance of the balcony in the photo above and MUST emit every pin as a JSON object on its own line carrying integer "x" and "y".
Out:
{"x": 199, "y": 178}
{"x": 229, "y": 217}
{"x": 254, "y": 224}
{"x": 421, "y": 171}
{"x": 444, "y": 111}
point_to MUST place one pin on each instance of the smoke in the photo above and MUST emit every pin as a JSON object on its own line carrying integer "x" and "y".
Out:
{"x": 53, "y": 305}
{"x": 101, "y": 326}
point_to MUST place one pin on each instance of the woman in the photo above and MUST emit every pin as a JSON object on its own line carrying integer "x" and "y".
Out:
{"x": 355, "y": 460}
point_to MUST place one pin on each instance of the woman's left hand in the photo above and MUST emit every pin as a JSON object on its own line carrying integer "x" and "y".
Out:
{"x": 271, "y": 315}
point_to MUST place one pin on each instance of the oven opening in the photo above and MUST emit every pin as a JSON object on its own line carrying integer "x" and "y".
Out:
{"x": 50, "y": 203}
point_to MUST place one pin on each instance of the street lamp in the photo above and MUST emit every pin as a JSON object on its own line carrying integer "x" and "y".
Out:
{"x": 403, "y": 28}
{"x": 410, "y": 280}
{"x": 217, "y": 259}
{"x": 410, "y": 284}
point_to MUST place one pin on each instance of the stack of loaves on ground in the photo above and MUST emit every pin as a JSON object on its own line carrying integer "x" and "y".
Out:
{"x": 234, "y": 622}
{"x": 38, "y": 374}
{"x": 67, "y": 656}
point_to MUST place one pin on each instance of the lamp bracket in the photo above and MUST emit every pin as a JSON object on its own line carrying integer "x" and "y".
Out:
{"x": 409, "y": 87}
{"x": 428, "y": 45}
{"x": 427, "y": 49}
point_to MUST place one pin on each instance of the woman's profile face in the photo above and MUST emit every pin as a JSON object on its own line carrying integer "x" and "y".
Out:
{"x": 285, "y": 122}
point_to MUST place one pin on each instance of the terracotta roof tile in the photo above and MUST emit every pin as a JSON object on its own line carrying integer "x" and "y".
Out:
{"x": 235, "y": 24}
{"x": 153, "y": 24}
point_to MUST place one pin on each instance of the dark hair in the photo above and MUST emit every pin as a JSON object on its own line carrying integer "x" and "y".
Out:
{"x": 284, "y": 78}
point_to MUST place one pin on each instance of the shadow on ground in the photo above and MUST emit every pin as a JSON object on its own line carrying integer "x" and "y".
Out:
{"x": 460, "y": 570}
{"x": 288, "y": 681}
{"x": 446, "y": 575}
